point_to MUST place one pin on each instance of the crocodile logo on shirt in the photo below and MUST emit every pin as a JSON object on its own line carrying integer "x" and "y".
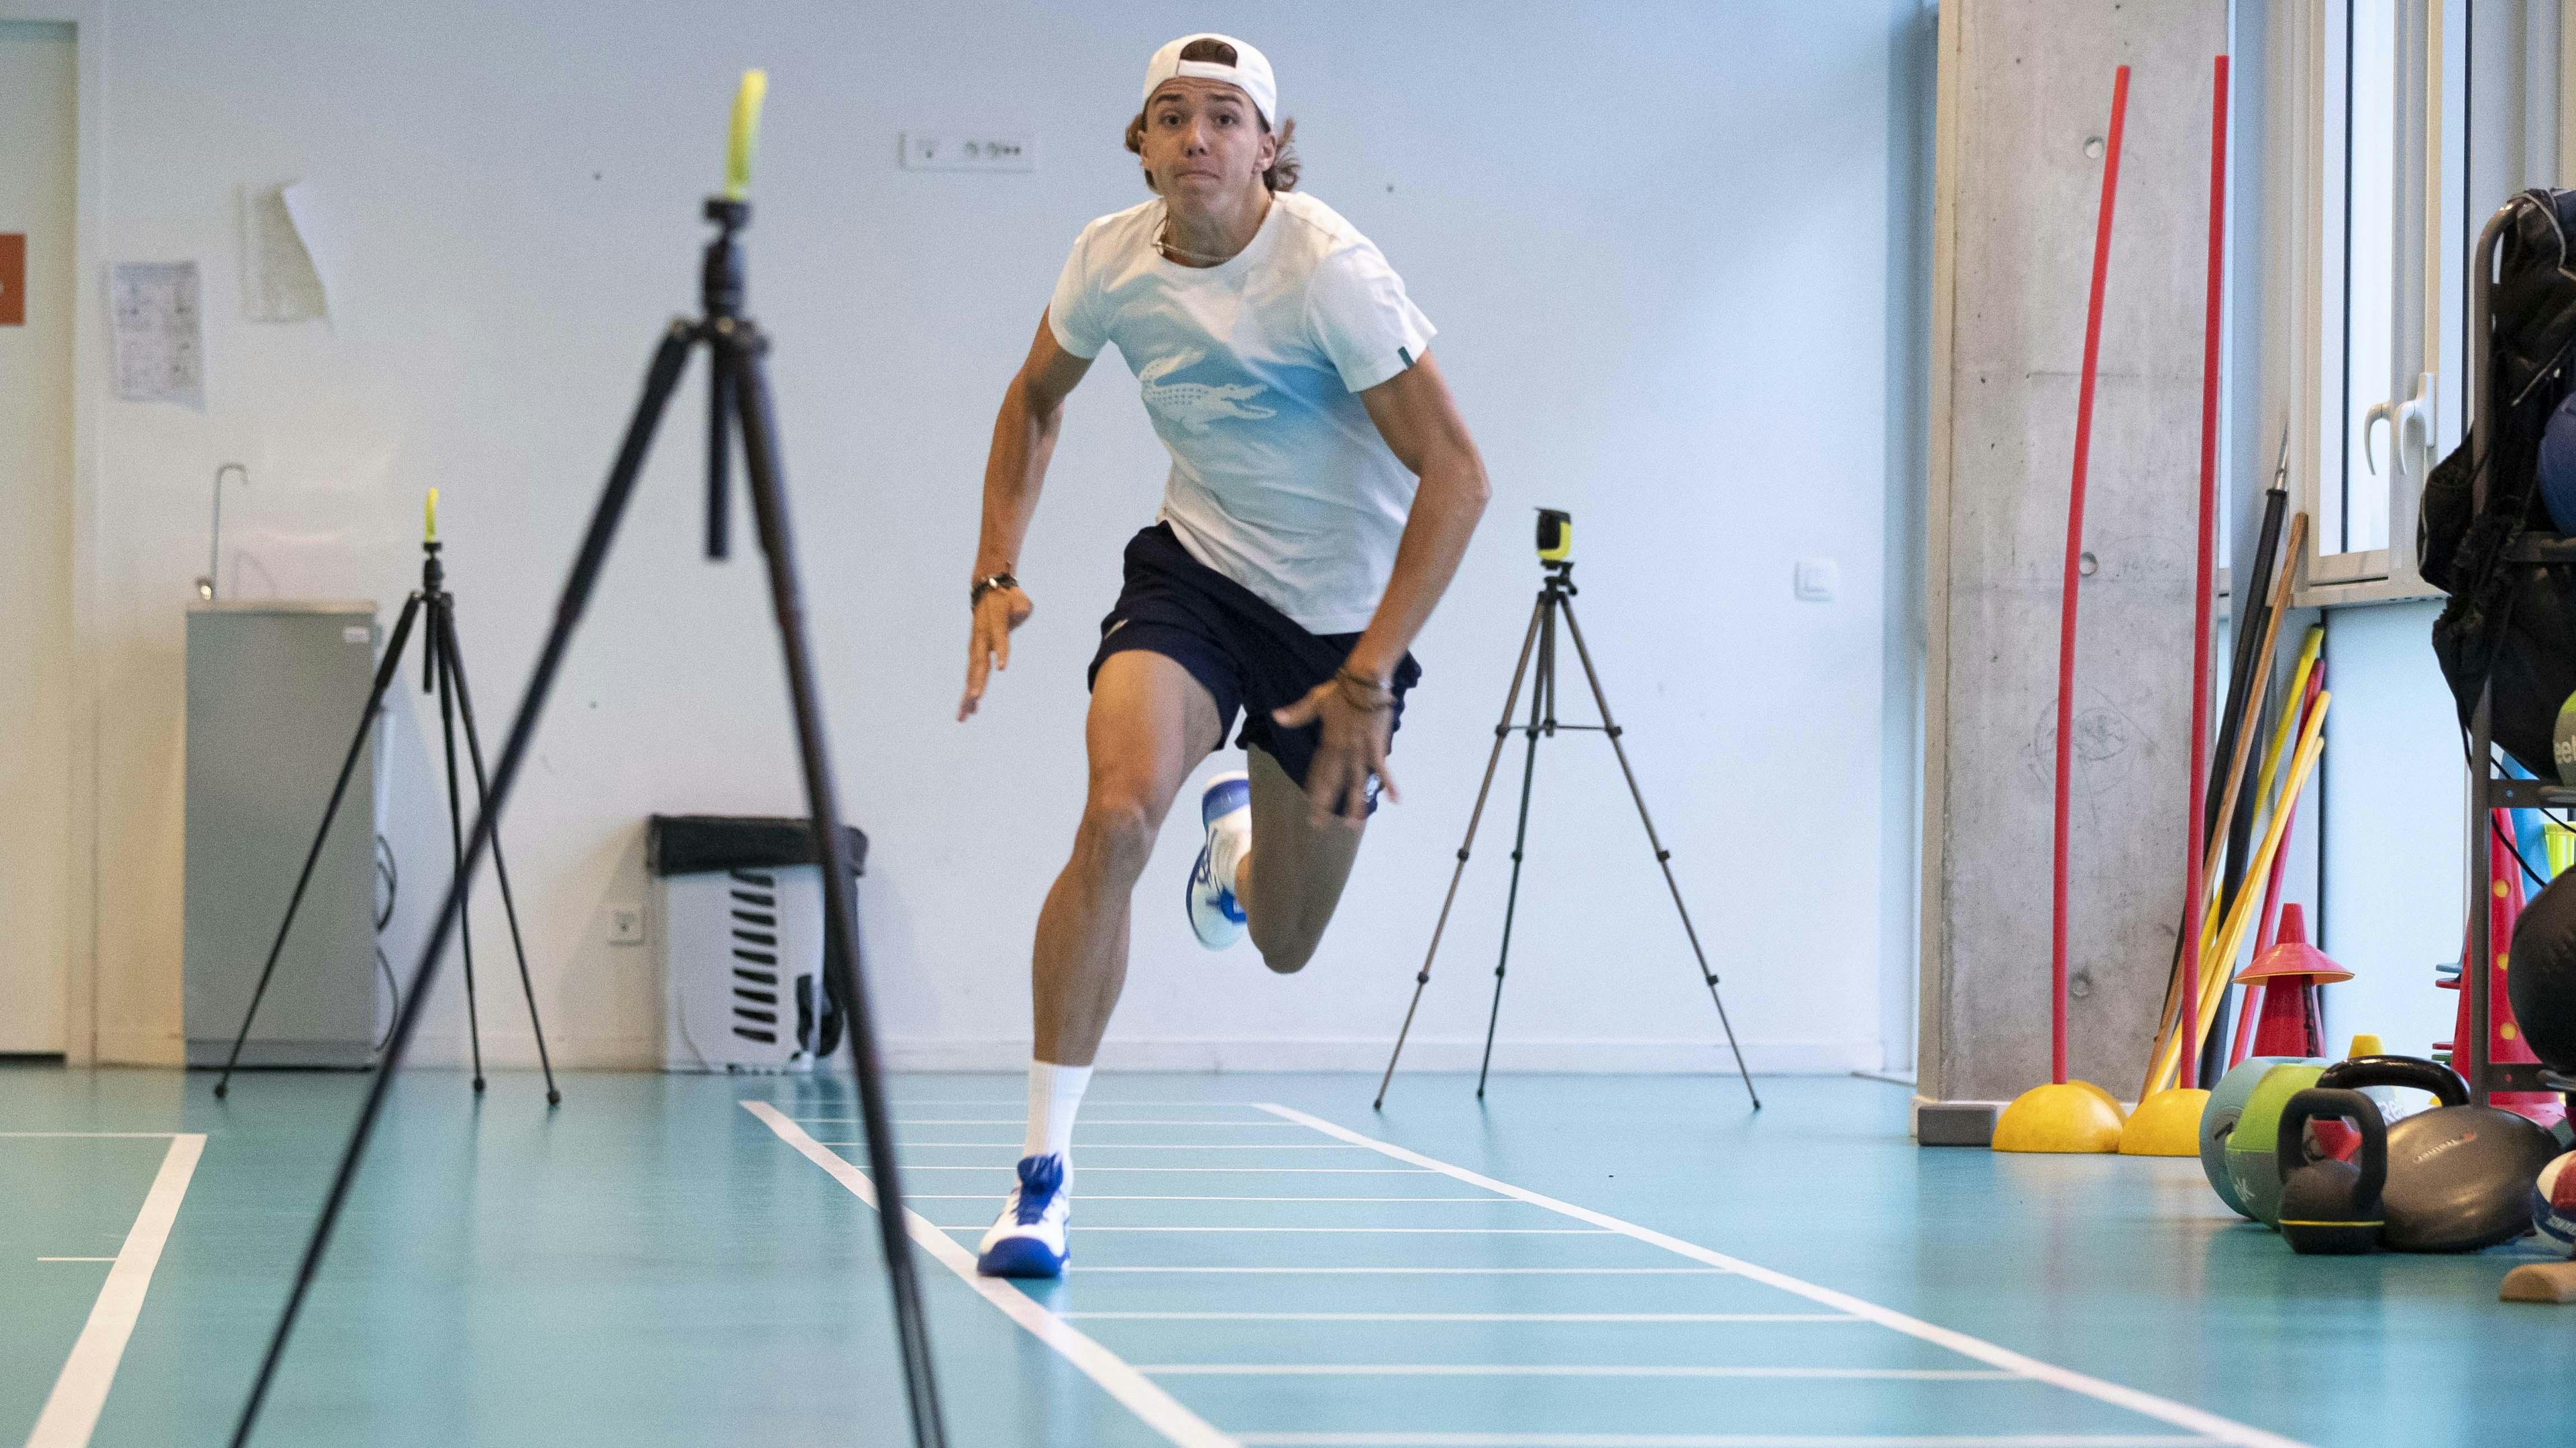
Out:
{"x": 1194, "y": 405}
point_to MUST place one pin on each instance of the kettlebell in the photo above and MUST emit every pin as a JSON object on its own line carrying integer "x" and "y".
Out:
{"x": 2331, "y": 1207}
{"x": 2218, "y": 1124}
{"x": 2459, "y": 1176}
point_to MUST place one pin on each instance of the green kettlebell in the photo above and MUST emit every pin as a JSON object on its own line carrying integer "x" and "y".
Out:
{"x": 2252, "y": 1165}
{"x": 2218, "y": 1123}
{"x": 2331, "y": 1207}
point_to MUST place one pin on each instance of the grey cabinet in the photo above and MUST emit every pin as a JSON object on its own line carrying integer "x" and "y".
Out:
{"x": 274, "y": 694}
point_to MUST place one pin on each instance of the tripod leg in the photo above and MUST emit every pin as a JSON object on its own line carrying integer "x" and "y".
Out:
{"x": 454, "y": 653}
{"x": 740, "y": 349}
{"x": 1502, "y": 731}
{"x": 385, "y": 672}
{"x": 1539, "y": 710}
{"x": 456, "y": 831}
{"x": 720, "y": 413}
{"x": 1663, "y": 857}
{"x": 658, "y": 382}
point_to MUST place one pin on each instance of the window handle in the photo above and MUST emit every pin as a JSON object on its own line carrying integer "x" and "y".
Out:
{"x": 2414, "y": 422}
{"x": 2379, "y": 412}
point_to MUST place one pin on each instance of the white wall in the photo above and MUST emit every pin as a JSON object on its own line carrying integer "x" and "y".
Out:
{"x": 2395, "y": 877}
{"x": 1655, "y": 238}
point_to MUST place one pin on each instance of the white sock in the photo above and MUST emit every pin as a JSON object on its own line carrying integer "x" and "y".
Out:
{"x": 1055, "y": 1094}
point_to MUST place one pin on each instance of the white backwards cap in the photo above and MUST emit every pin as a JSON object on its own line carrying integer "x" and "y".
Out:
{"x": 1250, "y": 72}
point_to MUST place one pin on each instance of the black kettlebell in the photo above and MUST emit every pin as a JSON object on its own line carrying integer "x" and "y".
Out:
{"x": 2332, "y": 1206}
{"x": 2459, "y": 1176}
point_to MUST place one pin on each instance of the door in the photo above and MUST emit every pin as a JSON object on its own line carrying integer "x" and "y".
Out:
{"x": 36, "y": 115}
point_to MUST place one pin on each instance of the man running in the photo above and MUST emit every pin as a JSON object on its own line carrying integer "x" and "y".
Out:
{"x": 1322, "y": 490}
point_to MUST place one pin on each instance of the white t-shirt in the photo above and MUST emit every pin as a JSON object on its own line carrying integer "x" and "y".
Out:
{"x": 1250, "y": 369}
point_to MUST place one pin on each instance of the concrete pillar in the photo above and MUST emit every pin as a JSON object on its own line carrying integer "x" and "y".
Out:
{"x": 2025, "y": 91}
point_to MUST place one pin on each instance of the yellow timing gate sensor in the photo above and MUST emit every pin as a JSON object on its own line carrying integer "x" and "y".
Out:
{"x": 1555, "y": 535}
{"x": 744, "y": 143}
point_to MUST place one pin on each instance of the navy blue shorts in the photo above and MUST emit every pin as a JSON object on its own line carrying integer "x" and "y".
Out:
{"x": 1245, "y": 653}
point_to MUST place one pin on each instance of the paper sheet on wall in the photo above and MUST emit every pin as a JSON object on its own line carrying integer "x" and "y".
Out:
{"x": 281, "y": 281}
{"x": 325, "y": 244}
{"x": 160, "y": 336}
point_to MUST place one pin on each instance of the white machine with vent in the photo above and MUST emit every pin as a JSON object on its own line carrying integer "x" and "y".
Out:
{"x": 740, "y": 946}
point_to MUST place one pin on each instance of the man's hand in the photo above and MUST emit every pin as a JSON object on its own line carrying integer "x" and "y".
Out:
{"x": 1358, "y": 718}
{"x": 988, "y": 642}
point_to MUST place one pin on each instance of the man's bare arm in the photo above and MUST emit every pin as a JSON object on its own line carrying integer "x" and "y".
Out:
{"x": 1420, "y": 422}
{"x": 1024, "y": 435}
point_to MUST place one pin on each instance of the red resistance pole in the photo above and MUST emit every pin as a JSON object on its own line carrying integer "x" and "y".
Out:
{"x": 2074, "y": 553}
{"x": 2195, "y": 868}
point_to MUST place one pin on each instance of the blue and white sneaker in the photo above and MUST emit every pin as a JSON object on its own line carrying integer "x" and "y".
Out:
{"x": 1027, "y": 1240}
{"x": 1226, "y": 809}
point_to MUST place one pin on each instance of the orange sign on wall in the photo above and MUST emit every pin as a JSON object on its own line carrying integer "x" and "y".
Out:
{"x": 13, "y": 279}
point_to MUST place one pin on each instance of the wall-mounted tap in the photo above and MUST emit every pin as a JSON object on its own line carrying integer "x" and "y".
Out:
{"x": 215, "y": 543}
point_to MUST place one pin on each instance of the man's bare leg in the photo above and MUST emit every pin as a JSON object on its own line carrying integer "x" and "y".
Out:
{"x": 1292, "y": 880}
{"x": 1150, "y": 725}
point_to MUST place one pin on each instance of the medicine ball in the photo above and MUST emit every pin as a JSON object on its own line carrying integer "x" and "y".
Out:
{"x": 2218, "y": 1124}
{"x": 2557, "y": 468}
{"x": 2553, "y": 1203}
{"x": 2540, "y": 974}
{"x": 2458, "y": 1176}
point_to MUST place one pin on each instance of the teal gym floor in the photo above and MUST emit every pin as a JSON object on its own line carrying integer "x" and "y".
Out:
{"x": 1582, "y": 1262}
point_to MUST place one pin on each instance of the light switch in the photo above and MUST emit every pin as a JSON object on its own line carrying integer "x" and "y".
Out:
{"x": 1816, "y": 580}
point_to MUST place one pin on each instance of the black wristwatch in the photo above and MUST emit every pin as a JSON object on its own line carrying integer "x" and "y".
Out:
{"x": 975, "y": 595}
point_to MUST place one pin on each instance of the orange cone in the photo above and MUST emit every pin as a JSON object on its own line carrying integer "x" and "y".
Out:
{"x": 2289, "y": 1025}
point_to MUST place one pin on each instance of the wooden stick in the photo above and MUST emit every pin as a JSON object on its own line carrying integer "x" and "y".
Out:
{"x": 2294, "y": 713}
{"x": 2311, "y": 744}
{"x": 2248, "y": 722}
{"x": 2265, "y": 923}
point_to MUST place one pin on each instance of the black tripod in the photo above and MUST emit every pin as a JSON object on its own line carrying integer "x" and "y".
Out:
{"x": 740, "y": 397}
{"x": 442, "y": 668}
{"x": 1555, "y": 600}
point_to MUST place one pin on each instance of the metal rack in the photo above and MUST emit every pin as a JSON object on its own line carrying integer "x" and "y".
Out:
{"x": 2488, "y": 790}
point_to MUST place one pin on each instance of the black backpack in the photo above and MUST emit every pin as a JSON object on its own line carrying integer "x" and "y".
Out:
{"x": 2511, "y": 621}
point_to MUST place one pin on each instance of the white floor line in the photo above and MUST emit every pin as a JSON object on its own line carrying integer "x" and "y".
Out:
{"x": 1719, "y": 1441}
{"x": 1660, "y": 1318}
{"x": 80, "y": 1390}
{"x": 1422, "y": 1271}
{"x": 1090, "y": 1146}
{"x": 2164, "y": 1410}
{"x": 1003, "y": 1169}
{"x": 117, "y": 1135}
{"x": 1367, "y": 1231}
{"x": 1121, "y": 1103}
{"x": 1095, "y": 1121}
{"x": 1567, "y": 1370}
{"x": 996, "y": 1198}
{"x": 1137, "y": 1393}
